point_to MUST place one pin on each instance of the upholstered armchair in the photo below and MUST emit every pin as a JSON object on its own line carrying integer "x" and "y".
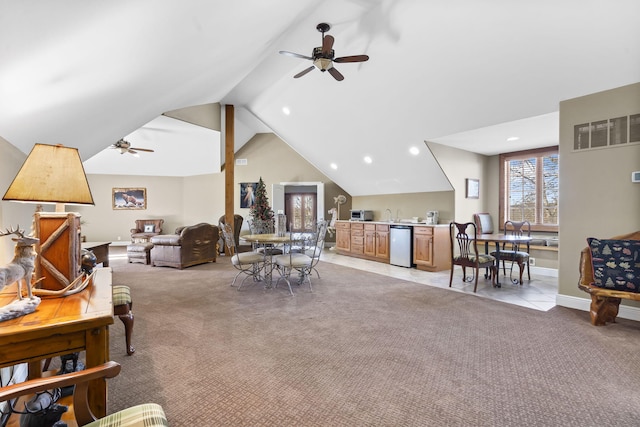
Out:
{"x": 145, "y": 229}
{"x": 190, "y": 245}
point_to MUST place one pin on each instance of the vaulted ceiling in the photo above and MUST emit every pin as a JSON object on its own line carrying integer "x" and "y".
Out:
{"x": 463, "y": 73}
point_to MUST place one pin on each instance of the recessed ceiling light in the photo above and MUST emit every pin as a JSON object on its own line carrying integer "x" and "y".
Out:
{"x": 368, "y": 159}
{"x": 513, "y": 138}
{"x": 333, "y": 166}
{"x": 286, "y": 110}
{"x": 414, "y": 150}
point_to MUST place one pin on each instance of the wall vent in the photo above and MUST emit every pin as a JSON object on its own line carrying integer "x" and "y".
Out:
{"x": 241, "y": 162}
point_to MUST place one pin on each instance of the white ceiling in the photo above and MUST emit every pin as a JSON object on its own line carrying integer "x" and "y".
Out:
{"x": 465, "y": 73}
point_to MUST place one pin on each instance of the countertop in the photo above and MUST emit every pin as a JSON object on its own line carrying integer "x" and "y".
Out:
{"x": 421, "y": 223}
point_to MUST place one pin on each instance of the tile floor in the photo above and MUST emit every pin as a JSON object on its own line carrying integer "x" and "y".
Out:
{"x": 539, "y": 293}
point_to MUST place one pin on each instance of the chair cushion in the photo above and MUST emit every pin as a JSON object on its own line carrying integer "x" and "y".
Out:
{"x": 295, "y": 260}
{"x": 482, "y": 258}
{"x": 616, "y": 263}
{"x": 145, "y": 415}
{"x": 121, "y": 295}
{"x": 512, "y": 255}
{"x": 166, "y": 240}
{"x": 247, "y": 258}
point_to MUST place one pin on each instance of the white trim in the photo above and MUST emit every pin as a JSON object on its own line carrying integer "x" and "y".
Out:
{"x": 544, "y": 271}
{"x": 584, "y": 304}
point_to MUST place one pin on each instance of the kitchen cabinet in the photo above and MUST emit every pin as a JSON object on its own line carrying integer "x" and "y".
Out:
{"x": 357, "y": 239}
{"x": 431, "y": 248}
{"x": 343, "y": 236}
{"x": 376, "y": 241}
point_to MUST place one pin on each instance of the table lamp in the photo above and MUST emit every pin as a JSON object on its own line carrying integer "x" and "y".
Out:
{"x": 54, "y": 174}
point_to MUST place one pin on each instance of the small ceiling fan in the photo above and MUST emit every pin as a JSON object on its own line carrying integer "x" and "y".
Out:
{"x": 323, "y": 56}
{"x": 125, "y": 147}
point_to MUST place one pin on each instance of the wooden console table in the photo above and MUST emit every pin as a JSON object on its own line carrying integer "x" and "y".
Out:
{"x": 61, "y": 326}
{"x": 100, "y": 250}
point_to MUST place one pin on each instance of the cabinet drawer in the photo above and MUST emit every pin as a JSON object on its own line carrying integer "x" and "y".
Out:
{"x": 370, "y": 227}
{"x": 357, "y": 249}
{"x": 343, "y": 225}
{"x": 423, "y": 230}
{"x": 356, "y": 226}
{"x": 382, "y": 227}
{"x": 357, "y": 240}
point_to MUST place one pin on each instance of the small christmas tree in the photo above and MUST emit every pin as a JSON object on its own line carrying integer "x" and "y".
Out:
{"x": 261, "y": 211}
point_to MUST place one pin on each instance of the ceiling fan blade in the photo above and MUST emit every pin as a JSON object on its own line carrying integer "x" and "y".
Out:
{"x": 353, "y": 58}
{"x": 336, "y": 74}
{"x": 303, "y": 72}
{"x": 135, "y": 153}
{"x": 295, "y": 55}
{"x": 148, "y": 150}
{"x": 327, "y": 44}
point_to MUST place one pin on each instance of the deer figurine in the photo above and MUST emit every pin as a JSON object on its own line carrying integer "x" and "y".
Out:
{"x": 20, "y": 270}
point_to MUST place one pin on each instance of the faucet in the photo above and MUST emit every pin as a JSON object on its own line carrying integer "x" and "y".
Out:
{"x": 388, "y": 211}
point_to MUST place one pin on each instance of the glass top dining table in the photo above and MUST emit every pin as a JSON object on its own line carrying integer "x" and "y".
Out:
{"x": 268, "y": 239}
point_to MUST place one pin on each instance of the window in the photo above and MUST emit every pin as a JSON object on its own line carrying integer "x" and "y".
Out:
{"x": 529, "y": 188}
{"x": 300, "y": 209}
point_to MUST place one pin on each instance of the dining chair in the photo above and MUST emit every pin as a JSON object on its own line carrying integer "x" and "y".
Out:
{"x": 483, "y": 222}
{"x": 249, "y": 263}
{"x": 464, "y": 238}
{"x": 303, "y": 255}
{"x": 514, "y": 252}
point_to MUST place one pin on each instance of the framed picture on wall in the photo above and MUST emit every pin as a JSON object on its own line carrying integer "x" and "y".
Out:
{"x": 247, "y": 194}
{"x": 129, "y": 198}
{"x": 472, "y": 188}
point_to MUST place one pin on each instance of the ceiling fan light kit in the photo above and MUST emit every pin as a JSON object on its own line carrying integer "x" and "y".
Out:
{"x": 323, "y": 56}
{"x": 125, "y": 147}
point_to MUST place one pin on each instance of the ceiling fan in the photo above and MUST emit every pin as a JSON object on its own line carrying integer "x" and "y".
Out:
{"x": 125, "y": 147}
{"x": 323, "y": 56}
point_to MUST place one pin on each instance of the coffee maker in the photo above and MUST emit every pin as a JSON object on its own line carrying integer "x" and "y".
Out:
{"x": 432, "y": 218}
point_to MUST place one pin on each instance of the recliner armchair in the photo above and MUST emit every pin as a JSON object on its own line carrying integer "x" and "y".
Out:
{"x": 145, "y": 229}
{"x": 190, "y": 245}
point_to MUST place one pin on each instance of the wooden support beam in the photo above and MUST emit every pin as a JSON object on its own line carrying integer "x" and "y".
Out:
{"x": 229, "y": 164}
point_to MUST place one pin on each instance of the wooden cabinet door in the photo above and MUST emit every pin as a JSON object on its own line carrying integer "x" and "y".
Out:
{"x": 423, "y": 246}
{"x": 382, "y": 244}
{"x": 370, "y": 239}
{"x": 343, "y": 236}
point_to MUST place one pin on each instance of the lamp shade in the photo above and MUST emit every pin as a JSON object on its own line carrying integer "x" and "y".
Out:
{"x": 51, "y": 174}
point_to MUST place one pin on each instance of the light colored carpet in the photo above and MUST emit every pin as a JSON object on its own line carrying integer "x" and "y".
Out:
{"x": 364, "y": 350}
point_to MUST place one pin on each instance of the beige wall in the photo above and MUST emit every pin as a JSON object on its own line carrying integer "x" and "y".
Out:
{"x": 190, "y": 200}
{"x": 12, "y": 214}
{"x": 406, "y": 206}
{"x": 597, "y": 197}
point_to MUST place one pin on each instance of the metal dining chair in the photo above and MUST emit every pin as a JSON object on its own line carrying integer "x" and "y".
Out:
{"x": 249, "y": 263}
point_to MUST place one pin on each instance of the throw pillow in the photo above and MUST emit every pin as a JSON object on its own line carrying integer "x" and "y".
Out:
{"x": 149, "y": 228}
{"x": 616, "y": 263}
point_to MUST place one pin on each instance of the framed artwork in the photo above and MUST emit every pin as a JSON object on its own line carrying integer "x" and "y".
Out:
{"x": 247, "y": 194}
{"x": 472, "y": 188}
{"x": 129, "y": 198}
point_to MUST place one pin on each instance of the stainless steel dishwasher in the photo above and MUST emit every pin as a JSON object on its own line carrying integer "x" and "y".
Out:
{"x": 401, "y": 245}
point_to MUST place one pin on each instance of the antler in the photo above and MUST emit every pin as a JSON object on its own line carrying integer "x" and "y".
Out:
{"x": 17, "y": 232}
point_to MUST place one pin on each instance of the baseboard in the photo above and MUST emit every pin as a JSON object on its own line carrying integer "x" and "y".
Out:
{"x": 583, "y": 304}
{"x": 543, "y": 271}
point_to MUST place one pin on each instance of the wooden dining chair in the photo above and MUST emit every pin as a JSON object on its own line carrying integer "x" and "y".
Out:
{"x": 464, "y": 239}
{"x": 516, "y": 253}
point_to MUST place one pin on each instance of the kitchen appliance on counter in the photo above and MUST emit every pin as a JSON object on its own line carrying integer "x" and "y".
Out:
{"x": 401, "y": 245}
{"x": 361, "y": 215}
{"x": 432, "y": 218}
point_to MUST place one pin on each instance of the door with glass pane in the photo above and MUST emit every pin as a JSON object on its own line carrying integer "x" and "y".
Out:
{"x": 300, "y": 209}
